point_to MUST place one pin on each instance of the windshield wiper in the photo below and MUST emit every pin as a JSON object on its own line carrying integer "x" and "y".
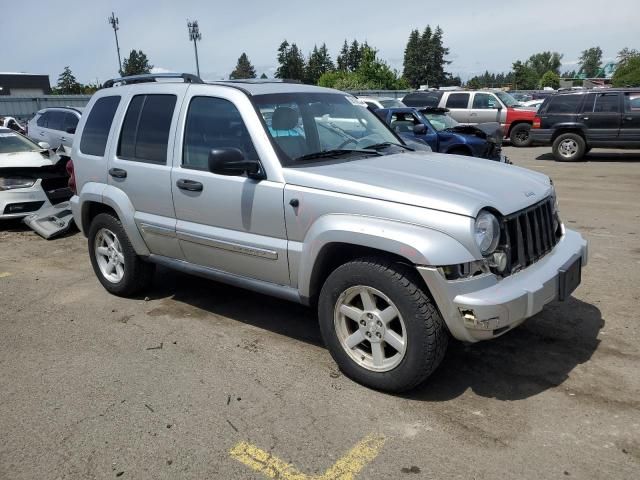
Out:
{"x": 337, "y": 153}
{"x": 377, "y": 146}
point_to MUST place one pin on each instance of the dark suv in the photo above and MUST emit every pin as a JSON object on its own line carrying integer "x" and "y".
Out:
{"x": 574, "y": 122}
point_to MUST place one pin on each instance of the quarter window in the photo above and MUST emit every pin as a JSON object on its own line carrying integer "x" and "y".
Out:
{"x": 97, "y": 126}
{"x": 213, "y": 123}
{"x": 145, "y": 130}
{"x": 458, "y": 100}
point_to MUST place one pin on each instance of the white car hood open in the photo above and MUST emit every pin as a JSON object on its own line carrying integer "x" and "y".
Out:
{"x": 27, "y": 160}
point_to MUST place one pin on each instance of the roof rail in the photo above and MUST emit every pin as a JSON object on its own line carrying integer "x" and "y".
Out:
{"x": 151, "y": 77}
{"x": 259, "y": 80}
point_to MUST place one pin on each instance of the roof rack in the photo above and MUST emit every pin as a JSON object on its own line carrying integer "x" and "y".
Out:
{"x": 151, "y": 77}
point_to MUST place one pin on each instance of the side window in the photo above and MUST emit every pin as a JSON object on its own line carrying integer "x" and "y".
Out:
{"x": 96, "y": 129}
{"x": 606, "y": 103}
{"x": 70, "y": 123}
{"x": 43, "y": 120}
{"x": 55, "y": 120}
{"x": 632, "y": 102}
{"x": 372, "y": 106}
{"x": 564, "y": 104}
{"x": 213, "y": 123}
{"x": 484, "y": 101}
{"x": 430, "y": 99}
{"x": 458, "y": 100}
{"x": 145, "y": 130}
{"x": 403, "y": 122}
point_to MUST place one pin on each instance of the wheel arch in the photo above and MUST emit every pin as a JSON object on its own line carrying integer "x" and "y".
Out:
{"x": 516, "y": 123}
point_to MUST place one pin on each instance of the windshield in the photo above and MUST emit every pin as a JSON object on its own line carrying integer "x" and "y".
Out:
{"x": 12, "y": 142}
{"x": 305, "y": 124}
{"x": 440, "y": 121}
{"x": 507, "y": 99}
{"x": 392, "y": 103}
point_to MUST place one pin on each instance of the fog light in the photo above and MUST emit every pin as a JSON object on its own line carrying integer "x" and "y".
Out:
{"x": 498, "y": 261}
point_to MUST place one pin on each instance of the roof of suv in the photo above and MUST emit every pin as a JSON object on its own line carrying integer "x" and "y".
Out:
{"x": 598, "y": 90}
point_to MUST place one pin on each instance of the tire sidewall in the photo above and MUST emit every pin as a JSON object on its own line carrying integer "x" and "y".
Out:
{"x": 579, "y": 153}
{"x": 415, "y": 322}
{"x": 513, "y": 135}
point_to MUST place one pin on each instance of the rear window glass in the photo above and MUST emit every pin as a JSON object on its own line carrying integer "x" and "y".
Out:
{"x": 602, "y": 103}
{"x": 145, "y": 131}
{"x": 564, "y": 104}
{"x": 430, "y": 99}
{"x": 458, "y": 100}
{"x": 96, "y": 129}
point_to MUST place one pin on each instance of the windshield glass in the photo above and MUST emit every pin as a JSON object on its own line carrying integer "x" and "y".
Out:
{"x": 304, "y": 124}
{"x": 507, "y": 99}
{"x": 392, "y": 103}
{"x": 440, "y": 121}
{"x": 12, "y": 142}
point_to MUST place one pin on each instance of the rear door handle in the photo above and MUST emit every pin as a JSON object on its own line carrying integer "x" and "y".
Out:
{"x": 190, "y": 185}
{"x": 118, "y": 173}
{"x": 585, "y": 118}
{"x": 628, "y": 118}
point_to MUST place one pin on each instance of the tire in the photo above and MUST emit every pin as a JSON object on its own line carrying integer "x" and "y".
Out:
{"x": 418, "y": 324}
{"x": 130, "y": 274}
{"x": 519, "y": 135}
{"x": 568, "y": 147}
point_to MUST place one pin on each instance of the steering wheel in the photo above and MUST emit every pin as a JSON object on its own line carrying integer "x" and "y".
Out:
{"x": 347, "y": 142}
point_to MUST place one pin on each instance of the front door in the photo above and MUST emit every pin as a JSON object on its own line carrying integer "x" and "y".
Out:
{"x": 484, "y": 108}
{"x": 231, "y": 223}
{"x": 601, "y": 115}
{"x": 630, "y": 127}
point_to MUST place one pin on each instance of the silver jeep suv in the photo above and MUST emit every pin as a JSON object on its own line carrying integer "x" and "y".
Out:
{"x": 302, "y": 193}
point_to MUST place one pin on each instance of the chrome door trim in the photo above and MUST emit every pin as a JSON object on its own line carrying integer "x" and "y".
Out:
{"x": 284, "y": 292}
{"x": 229, "y": 246}
{"x": 157, "y": 230}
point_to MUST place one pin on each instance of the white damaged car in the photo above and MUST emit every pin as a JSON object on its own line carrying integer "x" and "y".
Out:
{"x": 32, "y": 177}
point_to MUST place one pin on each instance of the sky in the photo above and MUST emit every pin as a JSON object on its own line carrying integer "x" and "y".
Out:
{"x": 45, "y": 36}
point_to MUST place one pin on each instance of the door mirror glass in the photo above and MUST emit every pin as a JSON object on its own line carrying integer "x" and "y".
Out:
{"x": 231, "y": 161}
{"x": 420, "y": 129}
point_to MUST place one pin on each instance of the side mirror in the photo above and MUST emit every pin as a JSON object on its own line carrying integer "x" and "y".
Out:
{"x": 231, "y": 161}
{"x": 71, "y": 130}
{"x": 498, "y": 105}
{"x": 44, "y": 145}
{"x": 420, "y": 129}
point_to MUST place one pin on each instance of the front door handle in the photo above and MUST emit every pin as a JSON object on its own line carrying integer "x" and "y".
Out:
{"x": 118, "y": 173}
{"x": 190, "y": 185}
{"x": 585, "y": 118}
{"x": 628, "y": 119}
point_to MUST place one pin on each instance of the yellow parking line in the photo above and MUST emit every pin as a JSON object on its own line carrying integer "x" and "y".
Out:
{"x": 346, "y": 468}
{"x": 4, "y": 274}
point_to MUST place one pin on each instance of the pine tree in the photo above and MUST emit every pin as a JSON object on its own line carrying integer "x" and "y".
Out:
{"x": 243, "y": 69}
{"x": 136, "y": 64}
{"x": 67, "y": 83}
{"x": 263, "y": 76}
{"x": 411, "y": 62}
{"x": 437, "y": 62}
{"x": 319, "y": 63}
{"x": 291, "y": 60}
{"x": 425, "y": 57}
{"x": 343, "y": 57}
{"x": 355, "y": 56}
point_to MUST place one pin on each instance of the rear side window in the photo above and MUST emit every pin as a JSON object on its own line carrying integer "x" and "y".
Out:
{"x": 42, "y": 119}
{"x": 430, "y": 99}
{"x": 96, "y": 129}
{"x": 145, "y": 131}
{"x": 52, "y": 119}
{"x": 70, "y": 123}
{"x": 458, "y": 100}
{"x": 564, "y": 104}
{"x": 603, "y": 103}
{"x": 632, "y": 102}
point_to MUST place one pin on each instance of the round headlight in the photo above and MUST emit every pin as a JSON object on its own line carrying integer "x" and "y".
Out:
{"x": 487, "y": 232}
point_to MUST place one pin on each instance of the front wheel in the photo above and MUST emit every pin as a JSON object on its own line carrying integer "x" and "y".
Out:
{"x": 520, "y": 135}
{"x": 380, "y": 326}
{"x": 568, "y": 147}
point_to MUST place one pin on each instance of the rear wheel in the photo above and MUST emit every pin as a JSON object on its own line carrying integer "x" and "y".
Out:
{"x": 380, "y": 326}
{"x": 118, "y": 268}
{"x": 520, "y": 135}
{"x": 568, "y": 147}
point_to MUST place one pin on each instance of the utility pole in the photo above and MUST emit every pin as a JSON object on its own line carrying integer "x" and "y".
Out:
{"x": 113, "y": 20}
{"x": 195, "y": 36}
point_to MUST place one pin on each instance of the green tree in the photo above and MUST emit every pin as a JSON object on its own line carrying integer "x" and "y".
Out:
{"x": 545, "y": 61}
{"x": 627, "y": 73}
{"x": 411, "y": 64}
{"x": 67, "y": 84}
{"x": 342, "y": 59}
{"x": 136, "y": 63}
{"x": 550, "y": 79}
{"x": 355, "y": 56}
{"x": 243, "y": 69}
{"x": 292, "y": 65}
{"x": 319, "y": 63}
{"x": 263, "y": 76}
{"x": 590, "y": 61}
{"x": 474, "y": 83}
{"x": 524, "y": 77}
{"x": 424, "y": 57}
{"x": 627, "y": 54}
{"x": 437, "y": 60}
{"x": 570, "y": 74}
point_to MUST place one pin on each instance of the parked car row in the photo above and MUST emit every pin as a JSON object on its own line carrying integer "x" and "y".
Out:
{"x": 56, "y": 125}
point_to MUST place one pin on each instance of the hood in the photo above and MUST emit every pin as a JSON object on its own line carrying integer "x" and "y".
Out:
{"x": 491, "y": 130}
{"x": 27, "y": 160}
{"x": 450, "y": 183}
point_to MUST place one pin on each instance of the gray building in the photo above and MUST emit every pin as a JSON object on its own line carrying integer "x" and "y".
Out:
{"x": 24, "y": 84}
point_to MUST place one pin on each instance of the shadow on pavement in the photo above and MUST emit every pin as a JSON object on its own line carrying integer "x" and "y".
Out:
{"x": 538, "y": 355}
{"x": 604, "y": 157}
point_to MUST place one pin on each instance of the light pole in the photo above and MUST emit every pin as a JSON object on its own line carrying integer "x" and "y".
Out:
{"x": 195, "y": 36}
{"x": 113, "y": 20}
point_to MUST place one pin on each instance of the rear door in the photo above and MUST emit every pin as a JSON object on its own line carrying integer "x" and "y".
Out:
{"x": 484, "y": 108}
{"x": 601, "y": 116}
{"x": 140, "y": 163}
{"x": 630, "y": 127}
{"x": 458, "y": 105}
{"x": 69, "y": 126}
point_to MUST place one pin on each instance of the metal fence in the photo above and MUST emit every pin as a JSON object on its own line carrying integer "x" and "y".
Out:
{"x": 23, "y": 108}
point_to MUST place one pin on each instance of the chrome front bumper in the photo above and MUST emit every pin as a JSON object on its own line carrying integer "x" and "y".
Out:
{"x": 484, "y": 307}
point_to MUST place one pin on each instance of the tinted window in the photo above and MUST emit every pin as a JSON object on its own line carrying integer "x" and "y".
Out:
{"x": 54, "y": 120}
{"x": 403, "y": 122}
{"x": 145, "y": 131}
{"x": 42, "y": 119}
{"x": 458, "y": 100}
{"x": 606, "y": 103}
{"x": 484, "y": 101}
{"x": 564, "y": 104}
{"x": 632, "y": 102}
{"x": 70, "y": 122}
{"x": 213, "y": 123}
{"x": 96, "y": 129}
{"x": 422, "y": 99}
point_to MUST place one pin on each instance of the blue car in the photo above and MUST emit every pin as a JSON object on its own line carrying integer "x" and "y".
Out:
{"x": 434, "y": 127}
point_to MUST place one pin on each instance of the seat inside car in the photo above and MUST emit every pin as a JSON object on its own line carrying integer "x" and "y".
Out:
{"x": 285, "y": 119}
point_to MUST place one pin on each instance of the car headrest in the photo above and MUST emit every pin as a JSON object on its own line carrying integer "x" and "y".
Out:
{"x": 284, "y": 118}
